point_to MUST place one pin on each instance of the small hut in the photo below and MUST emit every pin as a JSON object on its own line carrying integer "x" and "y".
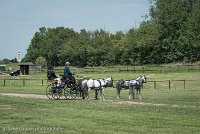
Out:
{"x": 27, "y": 69}
{"x": 2, "y": 69}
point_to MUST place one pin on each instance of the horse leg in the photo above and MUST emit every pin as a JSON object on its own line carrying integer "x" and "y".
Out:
{"x": 130, "y": 90}
{"x": 134, "y": 93}
{"x": 87, "y": 94}
{"x": 84, "y": 94}
{"x": 102, "y": 93}
{"x": 139, "y": 90}
{"x": 81, "y": 93}
{"x": 118, "y": 93}
{"x": 96, "y": 94}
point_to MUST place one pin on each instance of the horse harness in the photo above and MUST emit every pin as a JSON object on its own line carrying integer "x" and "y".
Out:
{"x": 93, "y": 86}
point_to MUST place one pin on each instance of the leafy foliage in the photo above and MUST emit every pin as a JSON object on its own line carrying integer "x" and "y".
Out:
{"x": 171, "y": 34}
{"x": 41, "y": 61}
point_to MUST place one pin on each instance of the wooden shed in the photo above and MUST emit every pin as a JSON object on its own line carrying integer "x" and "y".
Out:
{"x": 2, "y": 69}
{"x": 27, "y": 69}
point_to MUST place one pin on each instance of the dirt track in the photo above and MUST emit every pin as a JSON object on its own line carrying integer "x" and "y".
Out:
{"x": 25, "y": 95}
{"x": 114, "y": 102}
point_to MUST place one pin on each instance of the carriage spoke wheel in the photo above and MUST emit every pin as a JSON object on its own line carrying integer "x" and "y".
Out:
{"x": 49, "y": 92}
{"x": 66, "y": 93}
{"x": 74, "y": 93}
{"x": 57, "y": 94}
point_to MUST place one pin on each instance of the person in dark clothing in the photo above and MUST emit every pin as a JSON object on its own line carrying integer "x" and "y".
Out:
{"x": 51, "y": 75}
{"x": 67, "y": 69}
{"x": 67, "y": 73}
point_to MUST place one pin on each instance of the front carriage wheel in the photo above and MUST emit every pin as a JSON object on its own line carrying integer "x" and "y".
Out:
{"x": 74, "y": 93}
{"x": 66, "y": 93}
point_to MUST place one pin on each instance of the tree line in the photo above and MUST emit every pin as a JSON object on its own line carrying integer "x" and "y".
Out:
{"x": 169, "y": 33}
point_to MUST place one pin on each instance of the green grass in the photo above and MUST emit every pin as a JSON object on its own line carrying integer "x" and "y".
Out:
{"x": 16, "y": 84}
{"x": 160, "y": 111}
{"x": 82, "y": 116}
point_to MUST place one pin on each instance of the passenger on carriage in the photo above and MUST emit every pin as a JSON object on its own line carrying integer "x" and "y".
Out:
{"x": 67, "y": 73}
{"x": 51, "y": 75}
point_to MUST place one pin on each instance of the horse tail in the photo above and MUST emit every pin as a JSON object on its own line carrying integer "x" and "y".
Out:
{"x": 117, "y": 84}
{"x": 112, "y": 83}
{"x": 114, "y": 86}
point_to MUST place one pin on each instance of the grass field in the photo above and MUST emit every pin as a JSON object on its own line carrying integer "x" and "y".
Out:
{"x": 160, "y": 111}
{"x": 178, "y": 115}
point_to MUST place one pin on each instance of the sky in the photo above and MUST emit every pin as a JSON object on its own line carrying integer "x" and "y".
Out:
{"x": 21, "y": 19}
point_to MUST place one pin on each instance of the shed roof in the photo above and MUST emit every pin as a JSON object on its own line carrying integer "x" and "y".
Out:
{"x": 27, "y": 64}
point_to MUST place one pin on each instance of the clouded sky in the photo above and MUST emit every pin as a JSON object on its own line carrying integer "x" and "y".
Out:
{"x": 20, "y": 19}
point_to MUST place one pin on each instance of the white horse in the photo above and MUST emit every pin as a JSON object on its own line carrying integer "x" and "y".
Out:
{"x": 97, "y": 85}
{"x": 108, "y": 82}
{"x": 135, "y": 87}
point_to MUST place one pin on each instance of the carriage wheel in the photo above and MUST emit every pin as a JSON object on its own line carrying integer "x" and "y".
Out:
{"x": 57, "y": 94}
{"x": 73, "y": 96}
{"x": 74, "y": 93}
{"x": 49, "y": 92}
{"x": 66, "y": 93}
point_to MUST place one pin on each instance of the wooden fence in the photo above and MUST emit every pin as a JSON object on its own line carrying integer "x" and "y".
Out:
{"x": 166, "y": 84}
{"x": 141, "y": 69}
{"x": 173, "y": 84}
{"x": 23, "y": 82}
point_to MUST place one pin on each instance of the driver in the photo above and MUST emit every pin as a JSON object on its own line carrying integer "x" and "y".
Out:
{"x": 67, "y": 73}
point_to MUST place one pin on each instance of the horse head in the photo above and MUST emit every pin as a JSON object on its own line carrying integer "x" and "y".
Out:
{"x": 144, "y": 79}
{"x": 108, "y": 82}
{"x": 141, "y": 79}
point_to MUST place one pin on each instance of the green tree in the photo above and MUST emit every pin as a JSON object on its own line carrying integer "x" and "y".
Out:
{"x": 41, "y": 61}
{"x": 190, "y": 38}
{"x": 171, "y": 17}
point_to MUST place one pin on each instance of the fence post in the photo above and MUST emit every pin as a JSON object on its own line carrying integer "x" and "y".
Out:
{"x": 4, "y": 83}
{"x": 184, "y": 83}
{"x": 160, "y": 69}
{"x": 23, "y": 82}
{"x": 154, "y": 84}
{"x": 169, "y": 84}
{"x": 143, "y": 69}
{"x": 42, "y": 82}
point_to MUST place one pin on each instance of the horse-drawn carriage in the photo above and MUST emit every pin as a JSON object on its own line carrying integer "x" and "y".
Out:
{"x": 70, "y": 89}
{"x": 80, "y": 89}
{"x": 66, "y": 89}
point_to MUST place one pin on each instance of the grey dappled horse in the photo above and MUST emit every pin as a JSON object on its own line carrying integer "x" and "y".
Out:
{"x": 97, "y": 85}
{"x": 133, "y": 85}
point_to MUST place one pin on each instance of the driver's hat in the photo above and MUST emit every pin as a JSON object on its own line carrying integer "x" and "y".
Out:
{"x": 67, "y": 63}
